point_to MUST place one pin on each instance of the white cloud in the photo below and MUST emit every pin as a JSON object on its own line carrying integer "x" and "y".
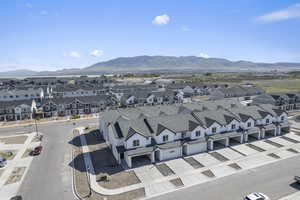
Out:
{"x": 28, "y": 5}
{"x": 74, "y": 54}
{"x": 161, "y": 20}
{"x": 44, "y": 12}
{"x": 97, "y": 53}
{"x": 186, "y": 28}
{"x": 203, "y": 55}
{"x": 281, "y": 15}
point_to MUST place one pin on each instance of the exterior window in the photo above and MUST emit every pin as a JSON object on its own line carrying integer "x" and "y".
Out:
{"x": 136, "y": 143}
{"x": 268, "y": 121}
{"x": 214, "y": 129}
{"x": 165, "y": 138}
{"x": 233, "y": 126}
{"x": 282, "y": 118}
{"x": 198, "y": 133}
{"x": 249, "y": 124}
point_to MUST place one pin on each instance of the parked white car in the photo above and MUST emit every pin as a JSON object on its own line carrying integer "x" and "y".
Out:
{"x": 3, "y": 162}
{"x": 256, "y": 196}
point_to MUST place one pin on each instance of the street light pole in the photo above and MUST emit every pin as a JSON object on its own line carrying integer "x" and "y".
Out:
{"x": 36, "y": 127}
{"x": 89, "y": 180}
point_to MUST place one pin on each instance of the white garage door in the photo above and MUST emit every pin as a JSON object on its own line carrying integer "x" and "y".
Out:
{"x": 170, "y": 153}
{"x": 197, "y": 148}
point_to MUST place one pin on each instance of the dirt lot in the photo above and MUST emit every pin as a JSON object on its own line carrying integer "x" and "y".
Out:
{"x": 104, "y": 163}
{"x": 14, "y": 140}
{"x": 16, "y": 175}
{"x": 81, "y": 179}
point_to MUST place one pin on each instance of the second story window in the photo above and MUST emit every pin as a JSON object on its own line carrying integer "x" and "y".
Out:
{"x": 165, "y": 138}
{"x": 267, "y": 121}
{"x": 233, "y": 126}
{"x": 214, "y": 130}
{"x": 136, "y": 143}
{"x": 198, "y": 133}
{"x": 282, "y": 118}
{"x": 249, "y": 124}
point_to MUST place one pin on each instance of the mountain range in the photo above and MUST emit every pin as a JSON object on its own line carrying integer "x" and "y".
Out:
{"x": 140, "y": 64}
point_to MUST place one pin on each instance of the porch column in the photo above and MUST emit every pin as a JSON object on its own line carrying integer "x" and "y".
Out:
{"x": 278, "y": 130}
{"x": 242, "y": 138}
{"x": 128, "y": 161}
{"x": 153, "y": 157}
{"x": 263, "y": 132}
{"x": 210, "y": 144}
{"x": 246, "y": 136}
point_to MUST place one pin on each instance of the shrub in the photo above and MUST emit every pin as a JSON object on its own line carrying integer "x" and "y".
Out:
{"x": 75, "y": 116}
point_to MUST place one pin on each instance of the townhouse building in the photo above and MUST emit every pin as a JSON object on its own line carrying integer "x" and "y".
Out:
{"x": 17, "y": 110}
{"x": 21, "y": 93}
{"x": 72, "y": 90}
{"x": 283, "y": 101}
{"x": 239, "y": 92}
{"x": 56, "y": 107}
{"x": 169, "y": 131}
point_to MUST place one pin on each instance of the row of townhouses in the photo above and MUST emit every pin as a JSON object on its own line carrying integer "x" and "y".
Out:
{"x": 17, "y": 110}
{"x": 283, "y": 101}
{"x": 240, "y": 92}
{"x": 165, "y": 132}
{"x": 54, "y": 107}
{"x": 22, "y": 94}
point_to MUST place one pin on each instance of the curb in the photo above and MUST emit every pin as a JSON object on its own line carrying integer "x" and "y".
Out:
{"x": 73, "y": 180}
{"x": 48, "y": 122}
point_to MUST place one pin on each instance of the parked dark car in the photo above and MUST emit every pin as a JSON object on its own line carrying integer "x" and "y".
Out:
{"x": 36, "y": 151}
{"x": 297, "y": 178}
{"x": 16, "y": 198}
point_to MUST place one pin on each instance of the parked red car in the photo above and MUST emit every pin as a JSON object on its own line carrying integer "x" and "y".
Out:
{"x": 36, "y": 151}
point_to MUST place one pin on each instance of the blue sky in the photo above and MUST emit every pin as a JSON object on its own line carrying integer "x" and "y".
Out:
{"x": 55, "y": 34}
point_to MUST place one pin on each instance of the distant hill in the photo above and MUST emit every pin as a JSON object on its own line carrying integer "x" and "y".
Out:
{"x": 18, "y": 73}
{"x": 184, "y": 63}
{"x": 163, "y": 64}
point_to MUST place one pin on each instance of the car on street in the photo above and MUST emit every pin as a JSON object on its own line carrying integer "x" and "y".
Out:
{"x": 297, "y": 178}
{"x": 16, "y": 198}
{"x": 3, "y": 162}
{"x": 36, "y": 151}
{"x": 256, "y": 196}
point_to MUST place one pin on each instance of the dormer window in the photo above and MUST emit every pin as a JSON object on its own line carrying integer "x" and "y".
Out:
{"x": 233, "y": 126}
{"x": 136, "y": 143}
{"x": 165, "y": 138}
{"x": 267, "y": 121}
{"x": 282, "y": 118}
{"x": 214, "y": 130}
{"x": 249, "y": 124}
{"x": 198, "y": 133}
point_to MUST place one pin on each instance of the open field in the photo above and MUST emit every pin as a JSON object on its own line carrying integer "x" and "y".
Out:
{"x": 269, "y": 82}
{"x": 279, "y": 85}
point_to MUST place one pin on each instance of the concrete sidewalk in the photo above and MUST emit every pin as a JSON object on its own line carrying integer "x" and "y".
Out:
{"x": 294, "y": 196}
{"x": 31, "y": 122}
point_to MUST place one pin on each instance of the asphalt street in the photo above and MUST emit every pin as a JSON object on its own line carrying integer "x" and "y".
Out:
{"x": 49, "y": 176}
{"x": 275, "y": 180}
